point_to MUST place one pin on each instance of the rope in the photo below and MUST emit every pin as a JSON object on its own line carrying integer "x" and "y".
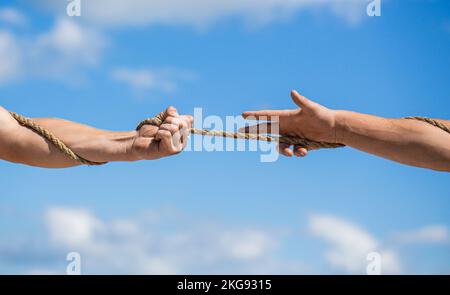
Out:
{"x": 159, "y": 119}
{"x": 430, "y": 121}
{"x": 53, "y": 139}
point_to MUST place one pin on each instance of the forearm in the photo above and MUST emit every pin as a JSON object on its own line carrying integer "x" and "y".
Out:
{"x": 406, "y": 141}
{"x": 22, "y": 145}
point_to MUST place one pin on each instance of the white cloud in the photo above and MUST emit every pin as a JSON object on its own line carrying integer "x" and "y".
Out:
{"x": 171, "y": 245}
{"x": 72, "y": 41}
{"x": 427, "y": 234}
{"x": 350, "y": 245}
{"x": 71, "y": 227}
{"x": 350, "y": 10}
{"x": 65, "y": 48}
{"x": 61, "y": 53}
{"x": 69, "y": 47}
{"x": 169, "y": 242}
{"x": 12, "y": 16}
{"x": 165, "y": 80}
{"x": 247, "y": 245}
{"x": 9, "y": 56}
{"x": 201, "y": 13}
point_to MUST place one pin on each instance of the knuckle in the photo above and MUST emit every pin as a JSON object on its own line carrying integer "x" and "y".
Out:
{"x": 174, "y": 128}
{"x": 170, "y": 127}
{"x": 183, "y": 124}
{"x": 177, "y": 122}
{"x": 165, "y": 133}
{"x": 171, "y": 111}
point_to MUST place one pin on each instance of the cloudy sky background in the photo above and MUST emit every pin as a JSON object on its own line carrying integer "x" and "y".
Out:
{"x": 224, "y": 212}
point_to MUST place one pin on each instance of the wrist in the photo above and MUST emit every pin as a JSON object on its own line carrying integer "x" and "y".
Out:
{"x": 118, "y": 146}
{"x": 340, "y": 127}
{"x": 130, "y": 154}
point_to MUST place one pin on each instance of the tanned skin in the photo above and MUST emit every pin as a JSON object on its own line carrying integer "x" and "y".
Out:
{"x": 19, "y": 144}
{"x": 409, "y": 142}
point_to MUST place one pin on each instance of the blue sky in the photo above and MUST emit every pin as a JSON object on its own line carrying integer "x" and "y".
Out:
{"x": 224, "y": 212}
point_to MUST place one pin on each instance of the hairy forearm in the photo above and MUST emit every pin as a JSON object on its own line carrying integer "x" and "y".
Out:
{"x": 406, "y": 141}
{"x": 21, "y": 145}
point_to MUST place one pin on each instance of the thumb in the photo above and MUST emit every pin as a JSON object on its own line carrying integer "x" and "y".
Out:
{"x": 301, "y": 101}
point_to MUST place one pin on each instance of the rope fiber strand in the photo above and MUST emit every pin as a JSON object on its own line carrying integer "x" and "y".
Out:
{"x": 430, "y": 121}
{"x": 159, "y": 119}
{"x": 53, "y": 139}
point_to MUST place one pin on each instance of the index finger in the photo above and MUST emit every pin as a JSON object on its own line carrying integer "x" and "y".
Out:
{"x": 266, "y": 114}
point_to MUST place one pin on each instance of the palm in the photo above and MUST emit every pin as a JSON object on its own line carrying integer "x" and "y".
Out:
{"x": 316, "y": 124}
{"x": 312, "y": 121}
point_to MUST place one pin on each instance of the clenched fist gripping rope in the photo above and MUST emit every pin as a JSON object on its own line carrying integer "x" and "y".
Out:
{"x": 159, "y": 119}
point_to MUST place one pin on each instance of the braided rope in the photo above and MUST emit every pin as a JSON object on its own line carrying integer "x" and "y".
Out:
{"x": 430, "y": 121}
{"x": 53, "y": 139}
{"x": 159, "y": 119}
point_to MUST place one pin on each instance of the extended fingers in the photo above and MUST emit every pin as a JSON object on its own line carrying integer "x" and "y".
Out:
{"x": 267, "y": 115}
{"x": 298, "y": 99}
{"x": 262, "y": 128}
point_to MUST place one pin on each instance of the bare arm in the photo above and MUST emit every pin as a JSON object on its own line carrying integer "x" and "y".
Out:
{"x": 21, "y": 145}
{"x": 409, "y": 142}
